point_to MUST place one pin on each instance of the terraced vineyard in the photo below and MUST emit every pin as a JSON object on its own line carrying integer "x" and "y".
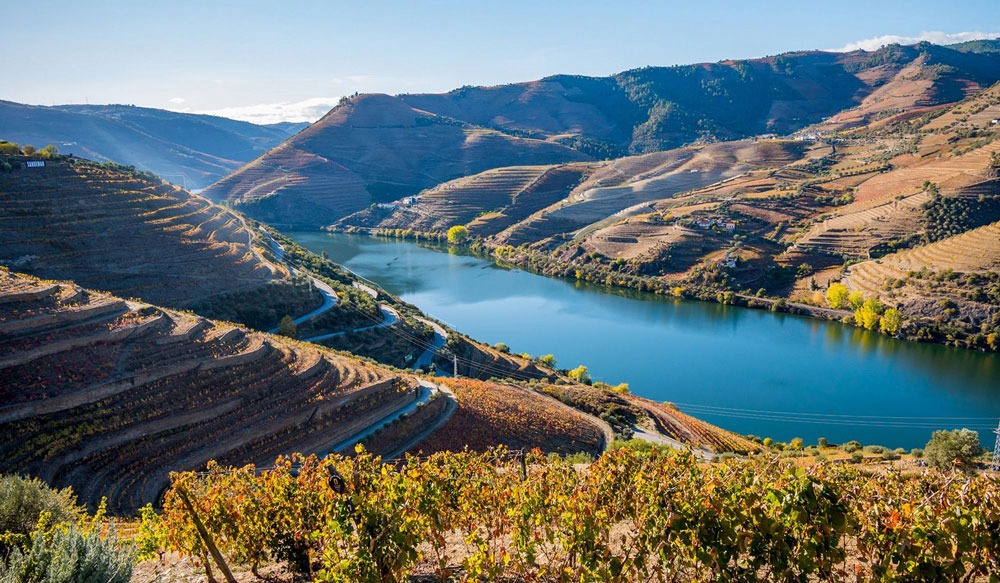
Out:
{"x": 491, "y": 414}
{"x": 975, "y": 251}
{"x": 109, "y": 395}
{"x": 625, "y": 413}
{"x": 855, "y": 233}
{"x": 126, "y": 233}
{"x": 691, "y": 430}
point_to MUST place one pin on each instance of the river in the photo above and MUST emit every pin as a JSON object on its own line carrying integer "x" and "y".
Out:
{"x": 749, "y": 371}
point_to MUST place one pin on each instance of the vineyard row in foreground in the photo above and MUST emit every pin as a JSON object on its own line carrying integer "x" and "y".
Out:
{"x": 631, "y": 516}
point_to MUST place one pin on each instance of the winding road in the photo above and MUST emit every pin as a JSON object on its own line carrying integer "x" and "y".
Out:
{"x": 440, "y": 338}
{"x": 390, "y": 317}
{"x": 427, "y": 389}
{"x": 329, "y": 301}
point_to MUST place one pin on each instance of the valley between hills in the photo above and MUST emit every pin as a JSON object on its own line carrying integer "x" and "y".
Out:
{"x": 153, "y": 339}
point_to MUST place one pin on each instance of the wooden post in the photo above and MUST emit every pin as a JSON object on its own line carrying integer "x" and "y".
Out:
{"x": 206, "y": 538}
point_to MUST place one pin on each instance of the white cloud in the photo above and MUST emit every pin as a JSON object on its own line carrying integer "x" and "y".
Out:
{"x": 264, "y": 113}
{"x": 176, "y": 100}
{"x": 936, "y": 37}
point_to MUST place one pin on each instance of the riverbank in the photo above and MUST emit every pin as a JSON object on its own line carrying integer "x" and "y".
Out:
{"x": 703, "y": 286}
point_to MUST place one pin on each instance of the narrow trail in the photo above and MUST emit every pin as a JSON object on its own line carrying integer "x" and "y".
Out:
{"x": 654, "y": 437}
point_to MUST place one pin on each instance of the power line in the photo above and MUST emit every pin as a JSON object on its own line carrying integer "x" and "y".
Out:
{"x": 851, "y": 416}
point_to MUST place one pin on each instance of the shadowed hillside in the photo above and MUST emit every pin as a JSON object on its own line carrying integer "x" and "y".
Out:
{"x": 125, "y": 232}
{"x": 187, "y": 149}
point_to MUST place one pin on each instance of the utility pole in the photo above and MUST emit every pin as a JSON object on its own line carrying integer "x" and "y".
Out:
{"x": 455, "y": 375}
{"x": 995, "y": 466}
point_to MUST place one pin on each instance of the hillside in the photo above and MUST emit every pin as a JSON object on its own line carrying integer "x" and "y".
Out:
{"x": 778, "y": 218}
{"x": 127, "y": 233}
{"x": 372, "y": 148}
{"x": 657, "y": 108}
{"x": 109, "y": 395}
{"x": 375, "y": 148}
{"x": 131, "y": 234}
{"x": 187, "y": 149}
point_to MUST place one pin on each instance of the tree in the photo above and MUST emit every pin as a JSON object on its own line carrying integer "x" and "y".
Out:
{"x": 49, "y": 151}
{"x": 855, "y": 300}
{"x": 955, "y": 448}
{"x": 458, "y": 235}
{"x": 836, "y": 295}
{"x": 869, "y": 314}
{"x": 580, "y": 374}
{"x": 548, "y": 360}
{"x": 9, "y": 149}
{"x": 28, "y": 150}
{"x": 891, "y": 321}
{"x": 287, "y": 327}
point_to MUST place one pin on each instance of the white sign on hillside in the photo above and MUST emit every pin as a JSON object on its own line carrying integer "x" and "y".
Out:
{"x": 34, "y": 164}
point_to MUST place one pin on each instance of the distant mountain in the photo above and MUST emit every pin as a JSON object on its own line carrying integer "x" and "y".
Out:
{"x": 372, "y": 148}
{"x": 658, "y": 108}
{"x": 897, "y": 198}
{"x": 978, "y": 46}
{"x": 188, "y": 149}
{"x": 379, "y": 148}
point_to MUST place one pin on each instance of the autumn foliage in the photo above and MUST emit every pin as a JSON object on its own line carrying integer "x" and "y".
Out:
{"x": 632, "y": 516}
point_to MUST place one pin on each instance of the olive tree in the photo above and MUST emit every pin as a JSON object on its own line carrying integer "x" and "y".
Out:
{"x": 958, "y": 448}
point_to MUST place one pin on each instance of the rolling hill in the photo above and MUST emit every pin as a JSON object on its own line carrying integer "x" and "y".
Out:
{"x": 187, "y": 149}
{"x": 375, "y": 148}
{"x": 372, "y": 148}
{"x": 782, "y": 216}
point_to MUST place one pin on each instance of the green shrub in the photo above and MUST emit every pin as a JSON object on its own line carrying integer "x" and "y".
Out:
{"x": 851, "y": 446}
{"x": 956, "y": 448}
{"x": 23, "y": 500}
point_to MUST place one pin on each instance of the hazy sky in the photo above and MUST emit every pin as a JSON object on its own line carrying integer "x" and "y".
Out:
{"x": 266, "y": 61}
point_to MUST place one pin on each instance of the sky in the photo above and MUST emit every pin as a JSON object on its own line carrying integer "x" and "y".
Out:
{"x": 292, "y": 60}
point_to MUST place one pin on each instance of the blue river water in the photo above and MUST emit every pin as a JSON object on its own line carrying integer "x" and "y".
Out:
{"x": 750, "y": 371}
